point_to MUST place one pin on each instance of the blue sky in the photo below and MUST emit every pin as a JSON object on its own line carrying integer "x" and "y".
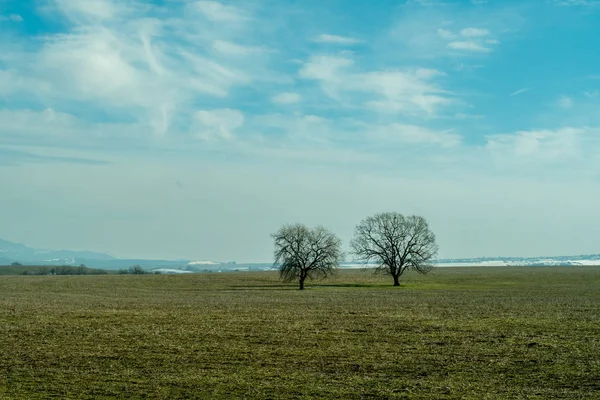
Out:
{"x": 194, "y": 129}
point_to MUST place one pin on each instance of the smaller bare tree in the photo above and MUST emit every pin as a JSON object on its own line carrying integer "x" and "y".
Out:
{"x": 396, "y": 243}
{"x": 303, "y": 253}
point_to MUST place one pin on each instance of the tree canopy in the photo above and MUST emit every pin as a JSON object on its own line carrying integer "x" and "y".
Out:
{"x": 302, "y": 253}
{"x": 396, "y": 243}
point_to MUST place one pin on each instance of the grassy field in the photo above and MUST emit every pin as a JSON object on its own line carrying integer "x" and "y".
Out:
{"x": 457, "y": 333}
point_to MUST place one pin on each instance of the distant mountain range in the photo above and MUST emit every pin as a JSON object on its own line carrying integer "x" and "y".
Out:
{"x": 14, "y": 252}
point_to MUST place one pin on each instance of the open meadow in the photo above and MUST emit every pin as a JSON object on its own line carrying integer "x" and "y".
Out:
{"x": 457, "y": 333}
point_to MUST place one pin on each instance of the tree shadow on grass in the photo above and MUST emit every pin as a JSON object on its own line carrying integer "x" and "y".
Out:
{"x": 264, "y": 287}
{"x": 308, "y": 287}
{"x": 345, "y": 285}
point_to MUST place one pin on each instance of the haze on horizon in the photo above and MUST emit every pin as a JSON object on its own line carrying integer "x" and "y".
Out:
{"x": 195, "y": 129}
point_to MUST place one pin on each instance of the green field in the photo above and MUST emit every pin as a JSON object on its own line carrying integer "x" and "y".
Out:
{"x": 457, "y": 333}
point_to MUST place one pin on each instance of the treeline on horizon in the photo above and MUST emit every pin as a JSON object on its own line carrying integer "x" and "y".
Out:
{"x": 17, "y": 269}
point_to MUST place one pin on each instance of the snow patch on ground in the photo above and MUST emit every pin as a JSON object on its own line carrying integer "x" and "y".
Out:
{"x": 170, "y": 271}
{"x": 202, "y": 263}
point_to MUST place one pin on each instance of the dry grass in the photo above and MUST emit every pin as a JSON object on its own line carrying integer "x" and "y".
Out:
{"x": 460, "y": 333}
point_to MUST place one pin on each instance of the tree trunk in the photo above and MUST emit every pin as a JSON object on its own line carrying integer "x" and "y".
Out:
{"x": 396, "y": 280}
{"x": 302, "y": 283}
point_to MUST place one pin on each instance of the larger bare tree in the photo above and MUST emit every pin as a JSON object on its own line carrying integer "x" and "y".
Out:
{"x": 303, "y": 253}
{"x": 396, "y": 243}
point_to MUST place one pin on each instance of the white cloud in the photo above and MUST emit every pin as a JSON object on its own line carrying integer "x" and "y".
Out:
{"x": 90, "y": 57}
{"x": 470, "y": 46}
{"x": 286, "y": 98}
{"x": 325, "y": 38}
{"x": 468, "y": 67}
{"x": 520, "y": 91}
{"x": 429, "y": 104}
{"x": 583, "y": 3}
{"x": 218, "y": 12}
{"x": 405, "y": 91}
{"x": 398, "y": 84}
{"x": 233, "y": 49}
{"x": 326, "y": 68}
{"x": 139, "y": 61}
{"x": 219, "y": 123}
{"x": 474, "y": 32}
{"x": 211, "y": 77}
{"x": 564, "y": 102}
{"x": 446, "y": 34}
{"x": 548, "y": 145}
{"x": 78, "y": 10}
{"x": 415, "y": 135}
{"x": 314, "y": 136}
{"x": 299, "y": 134}
{"x": 11, "y": 17}
{"x": 428, "y": 73}
{"x": 463, "y": 116}
{"x": 37, "y": 123}
{"x": 426, "y": 33}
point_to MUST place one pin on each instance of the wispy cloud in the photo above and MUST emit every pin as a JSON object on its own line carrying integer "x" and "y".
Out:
{"x": 286, "y": 98}
{"x": 565, "y": 102}
{"x": 446, "y": 34}
{"x": 469, "y": 40}
{"x": 218, "y": 12}
{"x": 335, "y": 39}
{"x": 520, "y": 91}
{"x": 541, "y": 145}
{"x": 146, "y": 62}
{"x": 412, "y": 134}
{"x": 166, "y": 72}
{"x": 464, "y": 116}
{"x": 581, "y": 3}
{"x": 427, "y": 32}
{"x": 51, "y": 128}
{"x": 234, "y": 49}
{"x": 326, "y": 133}
{"x": 468, "y": 46}
{"x": 218, "y": 124}
{"x": 10, "y": 156}
{"x": 405, "y": 91}
{"x": 474, "y": 32}
{"x": 11, "y": 17}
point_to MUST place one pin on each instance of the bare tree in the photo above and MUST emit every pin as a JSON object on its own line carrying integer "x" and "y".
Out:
{"x": 137, "y": 270}
{"x": 303, "y": 253}
{"x": 396, "y": 243}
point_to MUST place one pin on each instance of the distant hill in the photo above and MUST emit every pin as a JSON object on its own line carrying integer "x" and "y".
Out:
{"x": 5, "y": 261}
{"x": 15, "y": 252}
{"x": 11, "y": 252}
